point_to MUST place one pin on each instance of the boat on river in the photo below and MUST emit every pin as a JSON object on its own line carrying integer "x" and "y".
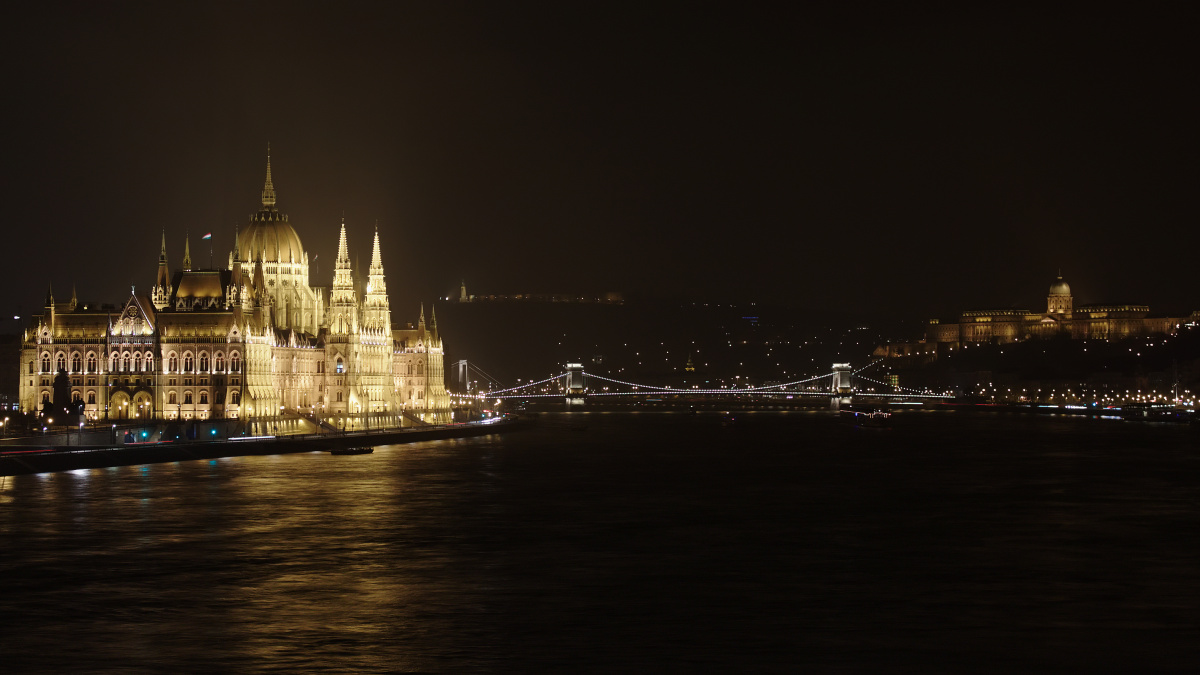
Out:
{"x": 865, "y": 418}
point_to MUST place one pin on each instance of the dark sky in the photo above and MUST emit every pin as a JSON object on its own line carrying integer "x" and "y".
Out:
{"x": 898, "y": 162}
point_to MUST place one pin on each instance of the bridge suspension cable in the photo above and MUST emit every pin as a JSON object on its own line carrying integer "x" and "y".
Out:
{"x": 531, "y": 384}
{"x": 769, "y": 388}
{"x": 873, "y": 363}
{"x": 898, "y": 387}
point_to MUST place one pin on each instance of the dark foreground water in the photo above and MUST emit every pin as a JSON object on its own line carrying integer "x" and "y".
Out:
{"x": 648, "y": 542}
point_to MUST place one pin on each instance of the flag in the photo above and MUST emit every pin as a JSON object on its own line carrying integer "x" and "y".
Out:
{"x": 207, "y": 236}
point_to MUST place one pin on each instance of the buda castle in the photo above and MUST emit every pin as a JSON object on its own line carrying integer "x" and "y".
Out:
{"x": 1061, "y": 319}
{"x": 251, "y": 341}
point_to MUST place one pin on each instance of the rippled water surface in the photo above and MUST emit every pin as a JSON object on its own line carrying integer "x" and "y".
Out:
{"x": 612, "y": 542}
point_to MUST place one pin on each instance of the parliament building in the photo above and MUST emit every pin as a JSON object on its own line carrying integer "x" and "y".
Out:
{"x": 251, "y": 341}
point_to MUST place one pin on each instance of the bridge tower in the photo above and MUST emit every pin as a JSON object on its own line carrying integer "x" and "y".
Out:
{"x": 841, "y": 379}
{"x": 462, "y": 375}
{"x": 575, "y": 385}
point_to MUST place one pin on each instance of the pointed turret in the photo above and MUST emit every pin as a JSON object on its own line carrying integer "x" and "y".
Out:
{"x": 187, "y": 254}
{"x": 343, "y": 303}
{"x": 268, "y": 193}
{"x": 376, "y": 312}
{"x": 49, "y": 294}
{"x": 74, "y": 298}
{"x": 160, "y": 294}
{"x": 421, "y": 321}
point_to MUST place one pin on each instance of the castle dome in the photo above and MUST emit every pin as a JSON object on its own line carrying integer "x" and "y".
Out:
{"x": 1060, "y": 287}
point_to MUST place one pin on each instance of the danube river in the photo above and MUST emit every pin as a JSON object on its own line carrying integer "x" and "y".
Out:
{"x": 614, "y": 542}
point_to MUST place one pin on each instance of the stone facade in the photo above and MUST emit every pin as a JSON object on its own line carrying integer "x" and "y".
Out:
{"x": 251, "y": 341}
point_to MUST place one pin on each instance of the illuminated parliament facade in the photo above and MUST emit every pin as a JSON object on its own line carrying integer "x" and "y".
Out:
{"x": 253, "y": 340}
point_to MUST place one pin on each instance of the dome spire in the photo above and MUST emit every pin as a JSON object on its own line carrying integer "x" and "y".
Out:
{"x": 268, "y": 193}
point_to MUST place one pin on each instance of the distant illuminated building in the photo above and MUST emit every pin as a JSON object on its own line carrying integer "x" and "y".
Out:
{"x": 1061, "y": 318}
{"x": 250, "y": 340}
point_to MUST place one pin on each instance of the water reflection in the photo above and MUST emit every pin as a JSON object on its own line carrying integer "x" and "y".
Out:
{"x": 648, "y": 542}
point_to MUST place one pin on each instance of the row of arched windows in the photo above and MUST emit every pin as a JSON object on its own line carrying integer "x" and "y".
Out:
{"x": 190, "y": 363}
{"x": 235, "y": 397}
{"x": 125, "y": 362}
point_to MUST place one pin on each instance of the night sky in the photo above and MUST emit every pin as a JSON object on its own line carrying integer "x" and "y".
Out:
{"x": 876, "y": 161}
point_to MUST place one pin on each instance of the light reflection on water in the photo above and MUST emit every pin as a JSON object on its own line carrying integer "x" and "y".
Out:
{"x": 612, "y": 542}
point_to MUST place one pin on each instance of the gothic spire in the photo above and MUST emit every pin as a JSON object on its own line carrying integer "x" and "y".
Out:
{"x": 376, "y": 259}
{"x": 375, "y": 281}
{"x": 421, "y": 321}
{"x": 162, "y": 254}
{"x": 268, "y": 193}
{"x": 343, "y": 254}
{"x": 187, "y": 253}
{"x": 49, "y": 294}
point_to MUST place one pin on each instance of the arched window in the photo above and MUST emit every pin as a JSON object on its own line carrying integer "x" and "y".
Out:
{"x": 112, "y": 362}
{"x": 421, "y": 368}
{"x": 341, "y": 367}
{"x": 62, "y": 361}
{"x": 172, "y": 363}
{"x": 125, "y": 362}
{"x": 76, "y": 363}
{"x": 92, "y": 397}
{"x": 45, "y": 397}
{"x": 76, "y": 398}
{"x": 235, "y": 363}
{"x": 187, "y": 397}
{"x": 339, "y": 397}
{"x": 220, "y": 365}
{"x": 137, "y": 362}
{"x": 171, "y": 398}
{"x": 235, "y": 398}
{"x": 203, "y": 397}
{"x": 149, "y": 361}
{"x": 46, "y": 362}
{"x": 204, "y": 362}
{"x": 188, "y": 362}
{"x": 91, "y": 362}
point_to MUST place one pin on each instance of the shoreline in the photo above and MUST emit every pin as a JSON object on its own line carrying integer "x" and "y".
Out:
{"x": 17, "y": 462}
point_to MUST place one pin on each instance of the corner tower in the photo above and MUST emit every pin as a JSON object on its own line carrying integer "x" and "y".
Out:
{"x": 377, "y": 315}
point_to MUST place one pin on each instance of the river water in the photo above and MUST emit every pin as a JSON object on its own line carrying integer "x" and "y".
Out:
{"x": 614, "y": 542}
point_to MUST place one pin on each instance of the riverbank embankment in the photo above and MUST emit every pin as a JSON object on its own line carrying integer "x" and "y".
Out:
{"x": 19, "y": 460}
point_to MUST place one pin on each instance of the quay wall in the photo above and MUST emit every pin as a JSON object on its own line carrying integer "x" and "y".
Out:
{"x": 19, "y": 460}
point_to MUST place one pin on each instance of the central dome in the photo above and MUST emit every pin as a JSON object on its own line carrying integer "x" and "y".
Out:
{"x": 270, "y": 238}
{"x": 1060, "y": 287}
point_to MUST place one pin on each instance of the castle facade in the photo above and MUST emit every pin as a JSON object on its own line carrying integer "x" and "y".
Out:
{"x": 1061, "y": 319}
{"x": 251, "y": 341}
